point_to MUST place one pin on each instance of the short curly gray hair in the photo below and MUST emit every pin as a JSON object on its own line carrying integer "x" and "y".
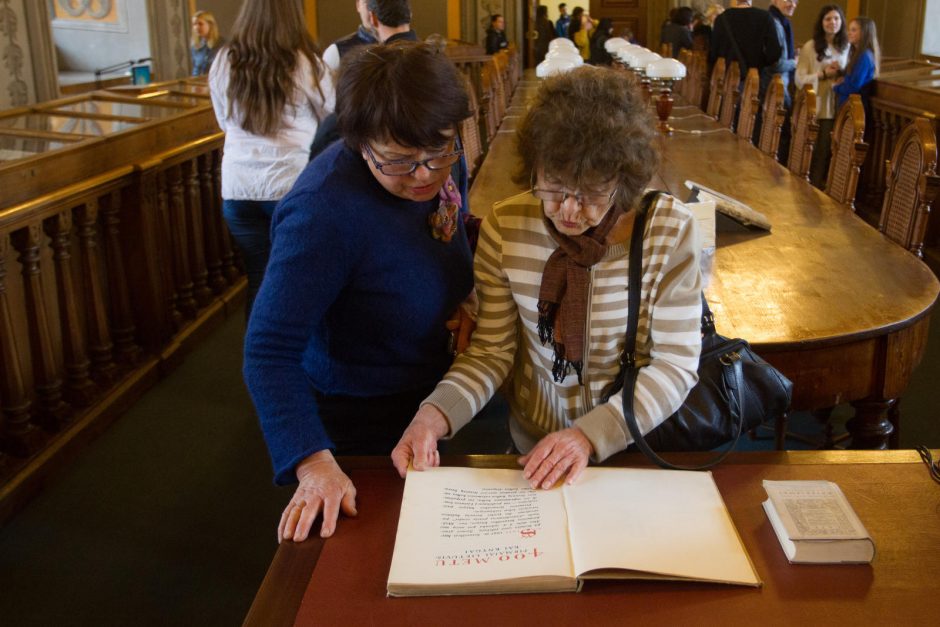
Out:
{"x": 589, "y": 123}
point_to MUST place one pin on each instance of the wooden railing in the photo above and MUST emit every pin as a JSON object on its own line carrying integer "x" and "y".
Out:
{"x": 113, "y": 255}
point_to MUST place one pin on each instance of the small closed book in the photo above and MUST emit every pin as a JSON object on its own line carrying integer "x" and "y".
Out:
{"x": 815, "y": 523}
{"x": 485, "y": 531}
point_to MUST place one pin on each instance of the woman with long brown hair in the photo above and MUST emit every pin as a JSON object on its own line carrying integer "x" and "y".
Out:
{"x": 864, "y": 62}
{"x": 820, "y": 61}
{"x": 270, "y": 90}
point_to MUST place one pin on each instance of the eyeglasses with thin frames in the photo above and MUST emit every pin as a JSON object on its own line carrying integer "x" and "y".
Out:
{"x": 587, "y": 201}
{"x": 404, "y": 168}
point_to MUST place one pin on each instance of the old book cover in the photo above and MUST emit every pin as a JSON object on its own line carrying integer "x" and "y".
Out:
{"x": 485, "y": 531}
{"x": 815, "y": 523}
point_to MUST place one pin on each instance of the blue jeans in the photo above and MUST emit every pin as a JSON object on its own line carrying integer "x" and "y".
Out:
{"x": 249, "y": 222}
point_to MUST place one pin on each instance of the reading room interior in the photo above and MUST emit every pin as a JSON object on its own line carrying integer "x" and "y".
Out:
{"x": 345, "y": 312}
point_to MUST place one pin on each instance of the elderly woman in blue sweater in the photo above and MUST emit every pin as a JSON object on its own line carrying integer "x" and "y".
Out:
{"x": 369, "y": 261}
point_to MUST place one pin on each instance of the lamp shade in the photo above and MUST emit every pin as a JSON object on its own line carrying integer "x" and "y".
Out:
{"x": 561, "y": 42}
{"x": 665, "y": 68}
{"x": 548, "y": 67}
{"x": 562, "y": 53}
{"x": 615, "y": 43}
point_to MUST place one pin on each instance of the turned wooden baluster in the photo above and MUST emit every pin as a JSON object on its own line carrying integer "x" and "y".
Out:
{"x": 103, "y": 368}
{"x": 19, "y": 436}
{"x": 211, "y": 214}
{"x": 225, "y": 239}
{"x": 80, "y": 390}
{"x": 193, "y": 218}
{"x": 50, "y": 411}
{"x": 178, "y": 241}
{"x": 123, "y": 329}
{"x": 166, "y": 243}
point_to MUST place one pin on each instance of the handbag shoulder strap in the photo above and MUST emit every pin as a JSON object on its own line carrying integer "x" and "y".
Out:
{"x": 628, "y": 367}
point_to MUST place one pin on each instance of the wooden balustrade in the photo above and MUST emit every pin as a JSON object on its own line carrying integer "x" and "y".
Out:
{"x": 113, "y": 253}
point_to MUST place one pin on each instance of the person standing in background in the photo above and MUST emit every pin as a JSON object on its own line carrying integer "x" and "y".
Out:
{"x": 782, "y": 11}
{"x": 269, "y": 91}
{"x": 748, "y": 35}
{"x": 362, "y": 36}
{"x": 204, "y": 42}
{"x": 820, "y": 61}
{"x": 678, "y": 31}
{"x": 496, "y": 34}
{"x": 564, "y": 20}
{"x": 863, "y": 67}
{"x": 603, "y": 32}
{"x": 546, "y": 32}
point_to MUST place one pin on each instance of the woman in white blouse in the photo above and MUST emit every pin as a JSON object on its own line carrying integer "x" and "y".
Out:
{"x": 821, "y": 60}
{"x": 270, "y": 90}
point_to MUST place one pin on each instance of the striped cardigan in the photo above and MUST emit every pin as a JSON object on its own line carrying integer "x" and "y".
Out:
{"x": 510, "y": 257}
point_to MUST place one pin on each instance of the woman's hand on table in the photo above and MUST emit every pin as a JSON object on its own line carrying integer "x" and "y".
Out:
{"x": 418, "y": 444}
{"x": 557, "y": 454}
{"x": 322, "y": 486}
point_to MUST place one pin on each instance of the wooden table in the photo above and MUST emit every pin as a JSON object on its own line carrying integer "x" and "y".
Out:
{"x": 838, "y": 308}
{"x": 341, "y": 581}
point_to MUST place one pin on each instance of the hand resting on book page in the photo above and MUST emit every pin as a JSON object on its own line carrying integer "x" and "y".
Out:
{"x": 558, "y": 453}
{"x": 322, "y": 485}
{"x": 418, "y": 444}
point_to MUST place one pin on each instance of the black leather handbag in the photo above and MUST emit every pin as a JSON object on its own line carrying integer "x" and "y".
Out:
{"x": 736, "y": 390}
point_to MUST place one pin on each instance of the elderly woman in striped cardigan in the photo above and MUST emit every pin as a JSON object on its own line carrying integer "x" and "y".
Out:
{"x": 551, "y": 276}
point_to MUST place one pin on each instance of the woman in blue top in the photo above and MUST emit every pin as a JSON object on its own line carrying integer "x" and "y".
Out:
{"x": 864, "y": 63}
{"x": 369, "y": 260}
{"x": 205, "y": 42}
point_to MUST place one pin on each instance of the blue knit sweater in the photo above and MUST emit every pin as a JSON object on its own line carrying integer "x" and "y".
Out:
{"x": 354, "y": 302}
{"x": 859, "y": 81}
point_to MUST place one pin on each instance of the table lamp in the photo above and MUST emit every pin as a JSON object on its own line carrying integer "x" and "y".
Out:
{"x": 665, "y": 71}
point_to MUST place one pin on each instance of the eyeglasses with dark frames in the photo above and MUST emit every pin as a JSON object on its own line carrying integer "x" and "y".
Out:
{"x": 403, "y": 168}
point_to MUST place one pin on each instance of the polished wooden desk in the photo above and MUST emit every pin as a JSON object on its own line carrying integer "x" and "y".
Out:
{"x": 341, "y": 581}
{"x": 829, "y": 301}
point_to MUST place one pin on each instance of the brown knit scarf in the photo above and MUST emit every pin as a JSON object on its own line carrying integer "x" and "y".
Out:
{"x": 564, "y": 292}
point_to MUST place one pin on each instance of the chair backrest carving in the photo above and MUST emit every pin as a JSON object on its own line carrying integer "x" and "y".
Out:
{"x": 715, "y": 88}
{"x": 470, "y": 132}
{"x": 848, "y": 151}
{"x": 731, "y": 94}
{"x": 698, "y": 86}
{"x": 773, "y": 117}
{"x": 912, "y": 186}
{"x": 804, "y": 130}
{"x": 685, "y": 85}
{"x": 749, "y": 105}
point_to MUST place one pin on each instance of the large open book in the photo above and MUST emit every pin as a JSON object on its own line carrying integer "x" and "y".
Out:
{"x": 484, "y": 531}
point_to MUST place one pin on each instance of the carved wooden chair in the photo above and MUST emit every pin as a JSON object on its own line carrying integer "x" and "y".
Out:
{"x": 715, "y": 88}
{"x": 804, "y": 130}
{"x": 848, "y": 151}
{"x": 489, "y": 102}
{"x": 912, "y": 186}
{"x": 684, "y": 87}
{"x": 699, "y": 87}
{"x": 749, "y": 105}
{"x": 470, "y": 133}
{"x": 772, "y": 118}
{"x": 730, "y": 95}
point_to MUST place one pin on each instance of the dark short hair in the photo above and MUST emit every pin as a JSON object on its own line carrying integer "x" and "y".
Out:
{"x": 615, "y": 132}
{"x": 683, "y": 16}
{"x": 563, "y": 5}
{"x": 391, "y": 12}
{"x": 406, "y": 91}
{"x": 494, "y": 17}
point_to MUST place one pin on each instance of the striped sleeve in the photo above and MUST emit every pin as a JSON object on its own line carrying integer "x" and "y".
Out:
{"x": 672, "y": 279}
{"x": 481, "y": 369}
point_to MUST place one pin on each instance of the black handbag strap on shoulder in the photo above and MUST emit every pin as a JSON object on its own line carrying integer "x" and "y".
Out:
{"x": 628, "y": 369}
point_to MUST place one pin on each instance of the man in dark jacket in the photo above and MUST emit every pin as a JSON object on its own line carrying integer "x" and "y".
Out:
{"x": 362, "y": 36}
{"x": 496, "y": 35}
{"x": 747, "y": 35}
